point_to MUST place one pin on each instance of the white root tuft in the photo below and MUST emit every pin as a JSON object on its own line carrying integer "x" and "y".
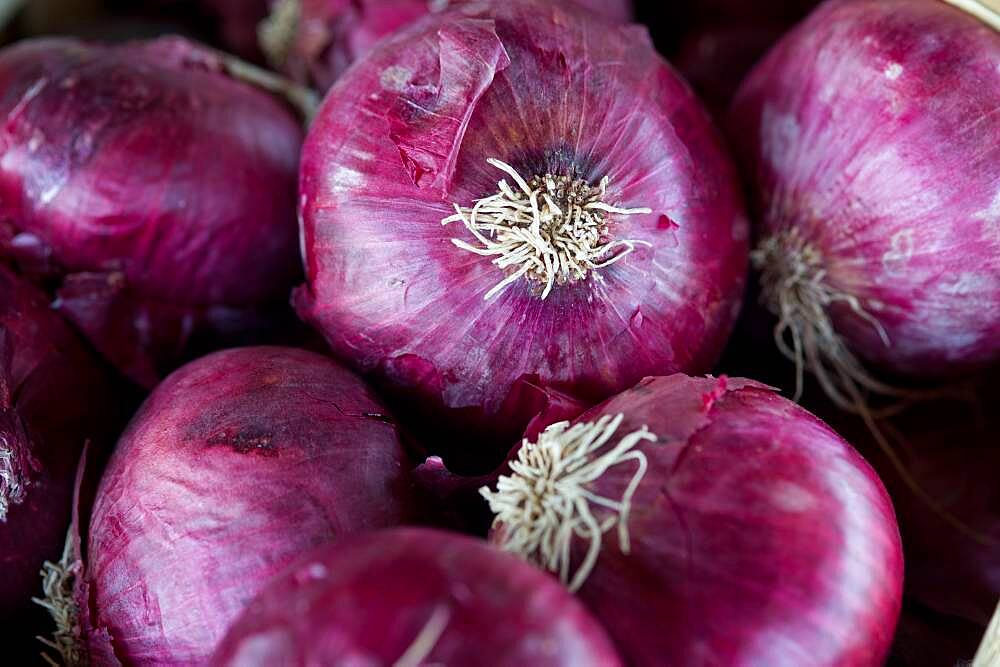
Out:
{"x": 546, "y": 502}
{"x": 57, "y": 584}
{"x": 551, "y": 230}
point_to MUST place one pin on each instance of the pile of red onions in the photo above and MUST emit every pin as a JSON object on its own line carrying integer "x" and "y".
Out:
{"x": 873, "y": 143}
{"x": 516, "y": 195}
{"x": 152, "y": 189}
{"x": 710, "y": 521}
{"x": 410, "y": 597}
{"x": 314, "y": 41}
{"x": 53, "y": 398}
{"x": 236, "y": 465}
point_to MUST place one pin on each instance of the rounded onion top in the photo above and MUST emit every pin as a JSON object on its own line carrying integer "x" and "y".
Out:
{"x": 410, "y": 597}
{"x": 237, "y": 464}
{"x": 873, "y": 141}
{"x": 714, "y": 523}
{"x": 53, "y": 398}
{"x": 631, "y": 262}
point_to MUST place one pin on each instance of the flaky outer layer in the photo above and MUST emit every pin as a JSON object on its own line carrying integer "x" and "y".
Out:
{"x": 872, "y": 129}
{"x": 332, "y": 34}
{"x": 53, "y": 398}
{"x": 407, "y": 132}
{"x": 366, "y": 601}
{"x": 236, "y": 465}
{"x": 758, "y": 536}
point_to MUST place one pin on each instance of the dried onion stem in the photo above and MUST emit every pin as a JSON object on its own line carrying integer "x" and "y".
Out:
{"x": 276, "y": 32}
{"x": 57, "y": 584}
{"x": 546, "y": 502}
{"x": 426, "y": 640}
{"x": 988, "y": 654}
{"x": 11, "y": 489}
{"x": 551, "y": 230}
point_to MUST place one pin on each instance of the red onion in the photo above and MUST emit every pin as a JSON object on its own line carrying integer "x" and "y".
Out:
{"x": 147, "y": 165}
{"x": 426, "y": 126}
{"x": 410, "y": 597}
{"x": 236, "y": 464}
{"x": 711, "y": 521}
{"x": 53, "y": 398}
{"x": 314, "y": 41}
{"x": 871, "y": 136}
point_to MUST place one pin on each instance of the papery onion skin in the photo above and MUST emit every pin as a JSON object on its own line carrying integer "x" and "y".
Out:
{"x": 366, "y": 600}
{"x": 148, "y": 164}
{"x": 54, "y": 396}
{"x": 236, "y": 465}
{"x": 332, "y": 34}
{"x": 758, "y": 536}
{"x": 871, "y": 129}
{"x": 551, "y": 89}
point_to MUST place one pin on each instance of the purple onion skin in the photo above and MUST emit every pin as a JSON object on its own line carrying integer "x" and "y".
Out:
{"x": 758, "y": 535}
{"x": 552, "y": 89}
{"x": 146, "y": 163}
{"x": 53, "y": 397}
{"x": 365, "y": 601}
{"x": 333, "y": 34}
{"x": 236, "y": 465}
{"x": 871, "y": 129}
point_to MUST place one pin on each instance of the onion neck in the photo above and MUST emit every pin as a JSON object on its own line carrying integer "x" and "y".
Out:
{"x": 550, "y": 230}
{"x": 547, "y": 500}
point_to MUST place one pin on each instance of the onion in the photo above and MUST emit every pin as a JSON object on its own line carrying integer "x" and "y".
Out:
{"x": 409, "y": 597}
{"x": 236, "y": 465}
{"x": 871, "y": 136}
{"x": 167, "y": 184}
{"x": 648, "y": 281}
{"x": 53, "y": 397}
{"x": 314, "y": 41}
{"x": 710, "y": 521}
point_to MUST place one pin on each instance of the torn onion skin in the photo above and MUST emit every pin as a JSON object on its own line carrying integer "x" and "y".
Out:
{"x": 757, "y": 536}
{"x": 411, "y": 597}
{"x": 870, "y": 133}
{"x": 315, "y": 41}
{"x": 168, "y": 184}
{"x": 54, "y": 396}
{"x": 236, "y": 465}
{"x": 406, "y": 136}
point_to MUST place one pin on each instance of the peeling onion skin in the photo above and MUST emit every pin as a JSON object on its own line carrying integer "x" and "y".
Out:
{"x": 365, "y": 600}
{"x": 551, "y": 89}
{"x": 147, "y": 163}
{"x": 333, "y": 34}
{"x": 871, "y": 129}
{"x": 54, "y": 396}
{"x": 236, "y": 465}
{"x": 758, "y": 535}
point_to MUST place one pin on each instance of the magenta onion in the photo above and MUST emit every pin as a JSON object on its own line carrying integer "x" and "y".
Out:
{"x": 414, "y": 596}
{"x": 635, "y": 264}
{"x": 871, "y": 136}
{"x": 710, "y": 521}
{"x": 314, "y": 41}
{"x": 235, "y": 465}
{"x": 153, "y": 186}
{"x": 53, "y": 398}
